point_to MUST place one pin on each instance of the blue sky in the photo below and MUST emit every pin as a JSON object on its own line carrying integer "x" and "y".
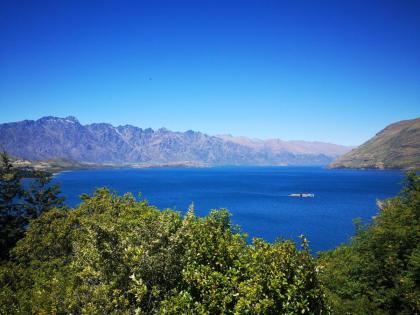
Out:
{"x": 335, "y": 71}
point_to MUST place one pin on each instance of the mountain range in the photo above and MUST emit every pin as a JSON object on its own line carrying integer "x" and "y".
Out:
{"x": 53, "y": 137}
{"x": 396, "y": 146}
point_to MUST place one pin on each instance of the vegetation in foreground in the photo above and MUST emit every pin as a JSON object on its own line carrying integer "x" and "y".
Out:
{"x": 116, "y": 255}
{"x": 22, "y": 202}
{"x": 379, "y": 271}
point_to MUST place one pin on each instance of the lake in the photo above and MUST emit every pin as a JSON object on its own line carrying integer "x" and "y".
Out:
{"x": 257, "y": 197}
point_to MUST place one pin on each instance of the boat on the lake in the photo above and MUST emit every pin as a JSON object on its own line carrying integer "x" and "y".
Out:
{"x": 303, "y": 195}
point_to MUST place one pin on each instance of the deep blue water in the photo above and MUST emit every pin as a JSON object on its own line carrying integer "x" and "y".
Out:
{"x": 256, "y": 196}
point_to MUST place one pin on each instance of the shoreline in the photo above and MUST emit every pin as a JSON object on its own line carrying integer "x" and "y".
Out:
{"x": 185, "y": 166}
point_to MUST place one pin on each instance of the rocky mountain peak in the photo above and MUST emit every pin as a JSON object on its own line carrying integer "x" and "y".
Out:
{"x": 54, "y": 137}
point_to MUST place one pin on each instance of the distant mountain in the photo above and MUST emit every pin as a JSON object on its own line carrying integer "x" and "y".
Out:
{"x": 396, "y": 146}
{"x": 296, "y": 147}
{"x": 53, "y": 137}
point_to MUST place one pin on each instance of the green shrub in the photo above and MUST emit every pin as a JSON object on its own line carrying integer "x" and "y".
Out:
{"x": 116, "y": 255}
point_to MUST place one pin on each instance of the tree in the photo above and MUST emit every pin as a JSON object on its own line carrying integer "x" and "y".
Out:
{"x": 11, "y": 219}
{"x": 41, "y": 196}
{"x": 19, "y": 205}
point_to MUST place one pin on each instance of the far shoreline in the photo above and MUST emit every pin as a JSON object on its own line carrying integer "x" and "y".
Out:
{"x": 188, "y": 166}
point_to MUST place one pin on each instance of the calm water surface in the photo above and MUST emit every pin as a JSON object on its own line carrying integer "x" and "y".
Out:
{"x": 256, "y": 196}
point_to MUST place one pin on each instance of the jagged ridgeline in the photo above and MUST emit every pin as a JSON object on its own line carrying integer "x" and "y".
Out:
{"x": 52, "y": 137}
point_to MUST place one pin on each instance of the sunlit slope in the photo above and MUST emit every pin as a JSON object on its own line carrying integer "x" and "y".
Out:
{"x": 396, "y": 146}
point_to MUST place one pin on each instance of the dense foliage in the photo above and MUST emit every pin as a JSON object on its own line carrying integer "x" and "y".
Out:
{"x": 117, "y": 255}
{"x": 379, "y": 272}
{"x": 20, "y": 203}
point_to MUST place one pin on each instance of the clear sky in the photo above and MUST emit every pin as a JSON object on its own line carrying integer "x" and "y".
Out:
{"x": 335, "y": 71}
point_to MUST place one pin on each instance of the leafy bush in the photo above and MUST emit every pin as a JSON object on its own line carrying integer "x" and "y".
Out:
{"x": 116, "y": 255}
